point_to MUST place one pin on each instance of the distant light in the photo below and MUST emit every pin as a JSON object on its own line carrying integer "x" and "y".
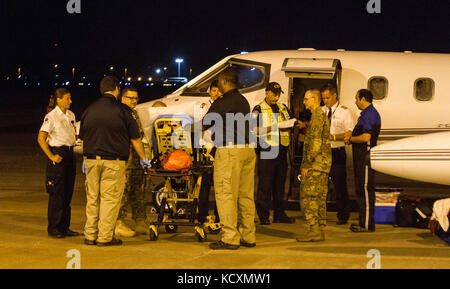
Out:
{"x": 179, "y": 60}
{"x": 129, "y": 78}
{"x": 147, "y": 84}
{"x": 7, "y": 78}
{"x": 81, "y": 84}
{"x": 167, "y": 84}
{"x": 67, "y": 83}
{"x": 139, "y": 78}
{"x": 57, "y": 75}
{"x": 244, "y": 52}
{"x": 19, "y": 77}
{"x": 252, "y": 69}
{"x": 38, "y": 84}
{"x": 151, "y": 84}
{"x": 55, "y": 66}
{"x": 89, "y": 84}
{"x": 25, "y": 84}
{"x": 150, "y": 79}
{"x": 111, "y": 68}
{"x": 158, "y": 71}
{"x": 56, "y": 84}
{"x": 84, "y": 77}
{"x": 174, "y": 84}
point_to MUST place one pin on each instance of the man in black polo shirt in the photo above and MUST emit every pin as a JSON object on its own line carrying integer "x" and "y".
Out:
{"x": 106, "y": 129}
{"x": 234, "y": 165}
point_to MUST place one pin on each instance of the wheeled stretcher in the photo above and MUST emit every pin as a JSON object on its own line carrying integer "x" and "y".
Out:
{"x": 176, "y": 199}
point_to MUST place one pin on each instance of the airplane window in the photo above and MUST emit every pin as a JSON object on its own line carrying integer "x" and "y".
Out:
{"x": 251, "y": 76}
{"x": 424, "y": 89}
{"x": 378, "y": 85}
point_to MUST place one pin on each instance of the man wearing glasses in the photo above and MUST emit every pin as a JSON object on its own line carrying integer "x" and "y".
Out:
{"x": 134, "y": 193}
{"x": 315, "y": 168}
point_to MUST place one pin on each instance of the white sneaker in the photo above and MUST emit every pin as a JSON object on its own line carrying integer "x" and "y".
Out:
{"x": 122, "y": 230}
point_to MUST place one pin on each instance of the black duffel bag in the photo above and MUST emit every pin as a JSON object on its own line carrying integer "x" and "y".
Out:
{"x": 413, "y": 212}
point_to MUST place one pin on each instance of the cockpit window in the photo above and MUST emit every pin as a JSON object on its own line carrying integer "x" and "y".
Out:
{"x": 252, "y": 76}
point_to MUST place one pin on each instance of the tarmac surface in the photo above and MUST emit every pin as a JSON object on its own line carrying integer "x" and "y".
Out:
{"x": 24, "y": 242}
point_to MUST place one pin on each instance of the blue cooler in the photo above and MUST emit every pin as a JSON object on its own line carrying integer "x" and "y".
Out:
{"x": 385, "y": 200}
{"x": 385, "y": 214}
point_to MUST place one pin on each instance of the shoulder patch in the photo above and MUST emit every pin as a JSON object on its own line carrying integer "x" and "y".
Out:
{"x": 344, "y": 107}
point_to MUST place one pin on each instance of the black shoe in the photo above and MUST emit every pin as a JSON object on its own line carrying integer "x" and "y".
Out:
{"x": 265, "y": 222}
{"x": 90, "y": 242}
{"x": 248, "y": 245}
{"x": 56, "y": 235}
{"x": 113, "y": 242}
{"x": 358, "y": 229}
{"x": 341, "y": 222}
{"x": 284, "y": 219}
{"x": 70, "y": 233}
{"x": 219, "y": 245}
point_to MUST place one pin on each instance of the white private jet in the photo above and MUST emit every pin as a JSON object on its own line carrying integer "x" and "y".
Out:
{"x": 411, "y": 92}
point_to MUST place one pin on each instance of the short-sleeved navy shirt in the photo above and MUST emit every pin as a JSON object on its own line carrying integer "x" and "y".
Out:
{"x": 369, "y": 122}
{"x": 106, "y": 128}
{"x": 232, "y": 102}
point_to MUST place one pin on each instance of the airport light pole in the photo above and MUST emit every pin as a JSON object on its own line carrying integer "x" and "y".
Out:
{"x": 179, "y": 61}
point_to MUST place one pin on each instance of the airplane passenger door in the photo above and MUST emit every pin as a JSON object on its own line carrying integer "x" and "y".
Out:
{"x": 305, "y": 74}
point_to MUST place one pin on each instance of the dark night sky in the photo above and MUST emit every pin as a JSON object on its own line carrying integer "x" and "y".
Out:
{"x": 146, "y": 34}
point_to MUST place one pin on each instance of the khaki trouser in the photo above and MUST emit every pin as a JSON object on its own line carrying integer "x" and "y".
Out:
{"x": 105, "y": 183}
{"x": 234, "y": 177}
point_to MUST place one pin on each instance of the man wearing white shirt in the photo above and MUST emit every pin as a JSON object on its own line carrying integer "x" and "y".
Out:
{"x": 341, "y": 125}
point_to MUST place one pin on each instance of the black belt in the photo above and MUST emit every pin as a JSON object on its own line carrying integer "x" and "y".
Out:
{"x": 107, "y": 158}
{"x": 68, "y": 148}
{"x": 338, "y": 149}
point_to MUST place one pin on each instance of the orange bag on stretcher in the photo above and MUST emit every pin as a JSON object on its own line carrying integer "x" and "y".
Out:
{"x": 177, "y": 160}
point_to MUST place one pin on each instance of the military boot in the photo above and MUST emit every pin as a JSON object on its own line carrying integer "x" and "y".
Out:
{"x": 313, "y": 235}
{"x": 141, "y": 227}
{"x": 122, "y": 230}
{"x": 322, "y": 231}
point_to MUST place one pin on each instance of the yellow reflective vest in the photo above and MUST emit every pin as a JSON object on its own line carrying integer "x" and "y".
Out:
{"x": 269, "y": 119}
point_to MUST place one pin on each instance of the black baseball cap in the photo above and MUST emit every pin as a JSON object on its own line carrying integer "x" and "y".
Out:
{"x": 275, "y": 88}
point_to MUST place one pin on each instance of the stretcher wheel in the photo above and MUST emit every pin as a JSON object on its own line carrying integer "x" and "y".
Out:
{"x": 153, "y": 233}
{"x": 171, "y": 228}
{"x": 200, "y": 234}
{"x": 157, "y": 197}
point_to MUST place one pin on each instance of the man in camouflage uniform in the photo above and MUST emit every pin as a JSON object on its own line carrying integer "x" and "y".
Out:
{"x": 134, "y": 193}
{"x": 315, "y": 168}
